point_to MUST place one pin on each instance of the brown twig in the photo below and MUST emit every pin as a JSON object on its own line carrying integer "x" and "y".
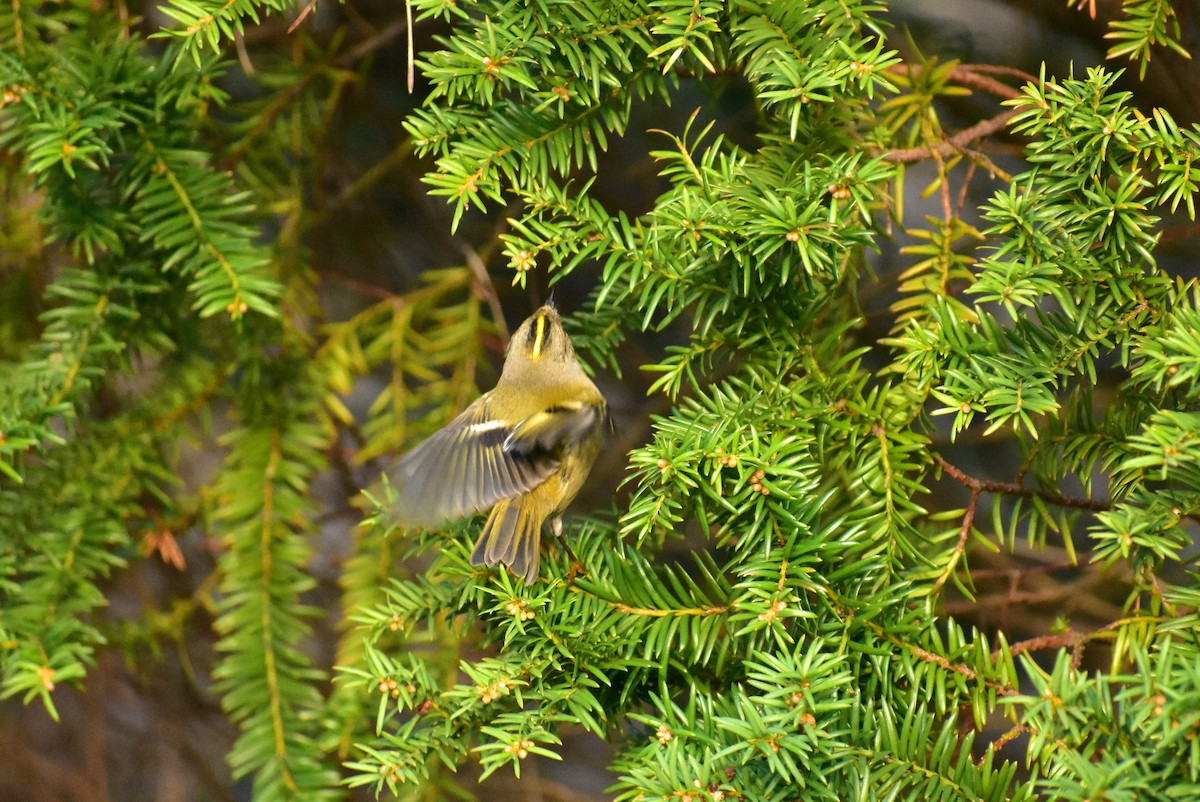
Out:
{"x": 954, "y": 143}
{"x": 1072, "y": 595}
{"x": 1017, "y": 572}
{"x": 373, "y": 42}
{"x": 239, "y": 44}
{"x": 961, "y": 202}
{"x": 970, "y": 76}
{"x": 485, "y": 287}
{"x": 300, "y": 17}
{"x": 843, "y": 611}
{"x": 1076, "y": 640}
{"x": 1068, "y": 638}
{"x": 1013, "y": 733}
{"x": 980, "y": 486}
{"x": 1014, "y": 489}
{"x": 964, "y": 533}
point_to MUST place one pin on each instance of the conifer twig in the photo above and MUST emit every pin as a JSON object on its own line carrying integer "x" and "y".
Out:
{"x": 1014, "y": 489}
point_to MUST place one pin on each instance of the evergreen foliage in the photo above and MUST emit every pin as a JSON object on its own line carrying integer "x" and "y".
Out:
{"x": 802, "y": 646}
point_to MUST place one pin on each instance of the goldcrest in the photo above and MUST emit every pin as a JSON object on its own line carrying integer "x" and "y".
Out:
{"x": 523, "y": 449}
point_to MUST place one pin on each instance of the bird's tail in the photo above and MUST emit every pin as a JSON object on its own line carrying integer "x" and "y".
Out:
{"x": 511, "y": 537}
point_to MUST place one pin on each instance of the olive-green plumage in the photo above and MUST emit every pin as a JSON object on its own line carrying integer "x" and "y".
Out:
{"x": 522, "y": 449}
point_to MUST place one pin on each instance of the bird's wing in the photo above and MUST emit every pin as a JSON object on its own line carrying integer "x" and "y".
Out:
{"x": 550, "y": 431}
{"x": 464, "y": 468}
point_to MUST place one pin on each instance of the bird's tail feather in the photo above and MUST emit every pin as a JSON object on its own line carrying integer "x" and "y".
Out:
{"x": 511, "y": 537}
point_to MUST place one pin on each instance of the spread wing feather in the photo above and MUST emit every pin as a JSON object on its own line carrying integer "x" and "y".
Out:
{"x": 464, "y": 468}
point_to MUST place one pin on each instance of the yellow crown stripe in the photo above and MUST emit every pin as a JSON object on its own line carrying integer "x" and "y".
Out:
{"x": 539, "y": 337}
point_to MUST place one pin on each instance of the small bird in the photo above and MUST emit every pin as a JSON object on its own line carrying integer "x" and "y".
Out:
{"x": 522, "y": 449}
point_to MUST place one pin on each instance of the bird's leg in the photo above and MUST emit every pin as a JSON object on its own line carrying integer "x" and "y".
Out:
{"x": 556, "y": 529}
